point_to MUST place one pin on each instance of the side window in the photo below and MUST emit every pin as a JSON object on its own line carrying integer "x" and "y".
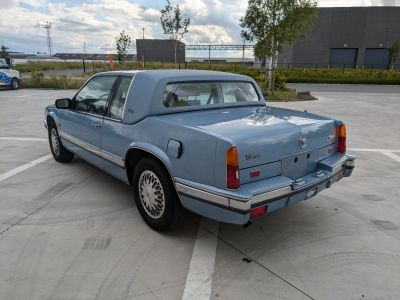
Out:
{"x": 93, "y": 96}
{"x": 117, "y": 103}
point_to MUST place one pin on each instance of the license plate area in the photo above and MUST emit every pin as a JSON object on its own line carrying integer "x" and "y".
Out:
{"x": 298, "y": 165}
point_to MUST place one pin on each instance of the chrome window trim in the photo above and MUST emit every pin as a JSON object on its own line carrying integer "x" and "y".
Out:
{"x": 113, "y": 119}
{"x": 127, "y": 95}
{"x": 94, "y": 150}
{"x": 86, "y": 113}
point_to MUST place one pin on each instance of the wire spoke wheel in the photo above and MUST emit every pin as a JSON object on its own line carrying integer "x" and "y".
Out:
{"x": 151, "y": 194}
{"x": 55, "y": 142}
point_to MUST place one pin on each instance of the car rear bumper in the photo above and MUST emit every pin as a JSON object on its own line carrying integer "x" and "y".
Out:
{"x": 276, "y": 192}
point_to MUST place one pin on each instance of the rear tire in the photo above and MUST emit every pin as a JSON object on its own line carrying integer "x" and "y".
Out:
{"x": 14, "y": 84}
{"x": 155, "y": 195}
{"x": 60, "y": 153}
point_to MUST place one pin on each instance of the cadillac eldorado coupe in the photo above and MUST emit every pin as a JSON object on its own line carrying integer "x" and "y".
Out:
{"x": 201, "y": 140}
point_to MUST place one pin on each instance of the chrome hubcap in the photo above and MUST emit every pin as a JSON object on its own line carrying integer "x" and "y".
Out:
{"x": 151, "y": 194}
{"x": 55, "y": 142}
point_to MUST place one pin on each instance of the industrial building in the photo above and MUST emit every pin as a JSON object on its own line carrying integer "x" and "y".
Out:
{"x": 348, "y": 37}
{"x": 160, "y": 50}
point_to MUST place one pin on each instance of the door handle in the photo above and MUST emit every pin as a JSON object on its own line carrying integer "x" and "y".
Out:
{"x": 95, "y": 124}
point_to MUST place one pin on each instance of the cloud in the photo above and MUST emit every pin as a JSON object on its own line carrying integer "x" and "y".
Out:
{"x": 209, "y": 34}
{"x": 97, "y": 22}
{"x": 7, "y": 4}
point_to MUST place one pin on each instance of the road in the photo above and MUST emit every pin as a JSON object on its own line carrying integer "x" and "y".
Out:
{"x": 73, "y": 232}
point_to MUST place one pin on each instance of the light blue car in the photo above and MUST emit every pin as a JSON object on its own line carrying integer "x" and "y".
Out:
{"x": 205, "y": 141}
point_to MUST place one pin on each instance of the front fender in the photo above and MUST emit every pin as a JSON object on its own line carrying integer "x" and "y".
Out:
{"x": 154, "y": 150}
{"x": 51, "y": 112}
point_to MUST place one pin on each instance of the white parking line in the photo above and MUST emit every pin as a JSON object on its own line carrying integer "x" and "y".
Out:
{"x": 391, "y": 155}
{"x": 199, "y": 279}
{"x": 387, "y": 152}
{"x": 24, "y": 167}
{"x": 32, "y": 139}
{"x": 372, "y": 150}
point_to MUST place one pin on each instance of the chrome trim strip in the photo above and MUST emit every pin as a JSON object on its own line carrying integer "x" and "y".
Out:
{"x": 228, "y": 202}
{"x": 336, "y": 169}
{"x": 94, "y": 150}
{"x": 113, "y": 158}
{"x": 272, "y": 194}
{"x": 245, "y": 206}
{"x": 203, "y": 195}
{"x": 80, "y": 143}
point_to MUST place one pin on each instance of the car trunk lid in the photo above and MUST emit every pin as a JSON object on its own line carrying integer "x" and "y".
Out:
{"x": 265, "y": 135}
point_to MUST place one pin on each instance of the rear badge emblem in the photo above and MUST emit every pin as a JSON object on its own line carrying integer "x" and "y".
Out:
{"x": 252, "y": 156}
{"x": 302, "y": 142}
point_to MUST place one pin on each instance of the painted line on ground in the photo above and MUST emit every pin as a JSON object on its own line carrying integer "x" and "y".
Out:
{"x": 31, "y": 139}
{"x": 372, "y": 150}
{"x": 391, "y": 155}
{"x": 24, "y": 167}
{"x": 199, "y": 279}
{"x": 387, "y": 152}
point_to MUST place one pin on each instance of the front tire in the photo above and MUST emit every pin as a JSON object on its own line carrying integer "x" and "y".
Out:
{"x": 15, "y": 84}
{"x": 155, "y": 196}
{"x": 60, "y": 153}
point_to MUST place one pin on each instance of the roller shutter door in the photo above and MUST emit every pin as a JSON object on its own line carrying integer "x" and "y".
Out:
{"x": 343, "y": 58}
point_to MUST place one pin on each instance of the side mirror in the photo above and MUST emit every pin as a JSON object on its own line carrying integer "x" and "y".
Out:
{"x": 64, "y": 103}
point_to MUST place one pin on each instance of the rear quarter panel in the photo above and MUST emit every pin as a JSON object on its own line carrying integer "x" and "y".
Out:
{"x": 197, "y": 160}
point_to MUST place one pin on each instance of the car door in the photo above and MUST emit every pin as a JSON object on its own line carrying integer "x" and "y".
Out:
{"x": 115, "y": 141}
{"x": 81, "y": 125}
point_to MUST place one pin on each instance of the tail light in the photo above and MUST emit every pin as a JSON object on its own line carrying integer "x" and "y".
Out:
{"x": 258, "y": 212}
{"x": 232, "y": 169}
{"x": 341, "y": 134}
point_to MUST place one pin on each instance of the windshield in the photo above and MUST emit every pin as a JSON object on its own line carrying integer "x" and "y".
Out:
{"x": 208, "y": 93}
{"x": 3, "y": 64}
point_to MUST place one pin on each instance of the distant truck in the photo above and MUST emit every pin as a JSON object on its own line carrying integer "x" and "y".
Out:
{"x": 8, "y": 76}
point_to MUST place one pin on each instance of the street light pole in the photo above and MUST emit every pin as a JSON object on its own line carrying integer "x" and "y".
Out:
{"x": 143, "y": 32}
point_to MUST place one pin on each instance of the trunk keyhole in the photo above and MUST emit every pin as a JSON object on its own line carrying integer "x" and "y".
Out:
{"x": 295, "y": 160}
{"x": 308, "y": 156}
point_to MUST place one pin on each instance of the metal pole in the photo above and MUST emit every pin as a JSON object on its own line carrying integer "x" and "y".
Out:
{"x": 143, "y": 32}
{"x": 244, "y": 43}
{"x": 209, "y": 56}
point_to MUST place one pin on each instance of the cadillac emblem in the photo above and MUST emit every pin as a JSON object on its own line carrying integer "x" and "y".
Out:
{"x": 302, "y": 142}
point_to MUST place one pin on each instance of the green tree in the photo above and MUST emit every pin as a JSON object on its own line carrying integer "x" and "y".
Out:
{"x": 122, "y": 43}
{"x": 173, "y": 24}
{"x": 274, "y": 24}
{"x": 4, "y": 52}
{"x": 393, "y": 52}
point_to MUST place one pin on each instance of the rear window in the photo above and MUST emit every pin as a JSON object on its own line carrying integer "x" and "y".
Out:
{"x": 208, "y": 93}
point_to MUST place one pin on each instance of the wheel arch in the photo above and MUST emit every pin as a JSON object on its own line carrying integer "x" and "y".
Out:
{"x": 138, "y": 151}
{"x": 51, "y": 117}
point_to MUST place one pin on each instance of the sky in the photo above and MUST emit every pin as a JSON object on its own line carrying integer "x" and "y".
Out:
{"x": 95, "y": 23}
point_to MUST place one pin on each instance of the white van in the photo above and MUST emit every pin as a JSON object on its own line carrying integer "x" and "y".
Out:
{"x": 8, "y": 76}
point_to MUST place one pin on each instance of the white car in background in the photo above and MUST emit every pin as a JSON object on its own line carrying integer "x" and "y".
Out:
{"x": 8, "y": 76}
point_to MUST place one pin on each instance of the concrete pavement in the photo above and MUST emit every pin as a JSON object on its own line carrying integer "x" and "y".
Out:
{"x": 72, "y": 232}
